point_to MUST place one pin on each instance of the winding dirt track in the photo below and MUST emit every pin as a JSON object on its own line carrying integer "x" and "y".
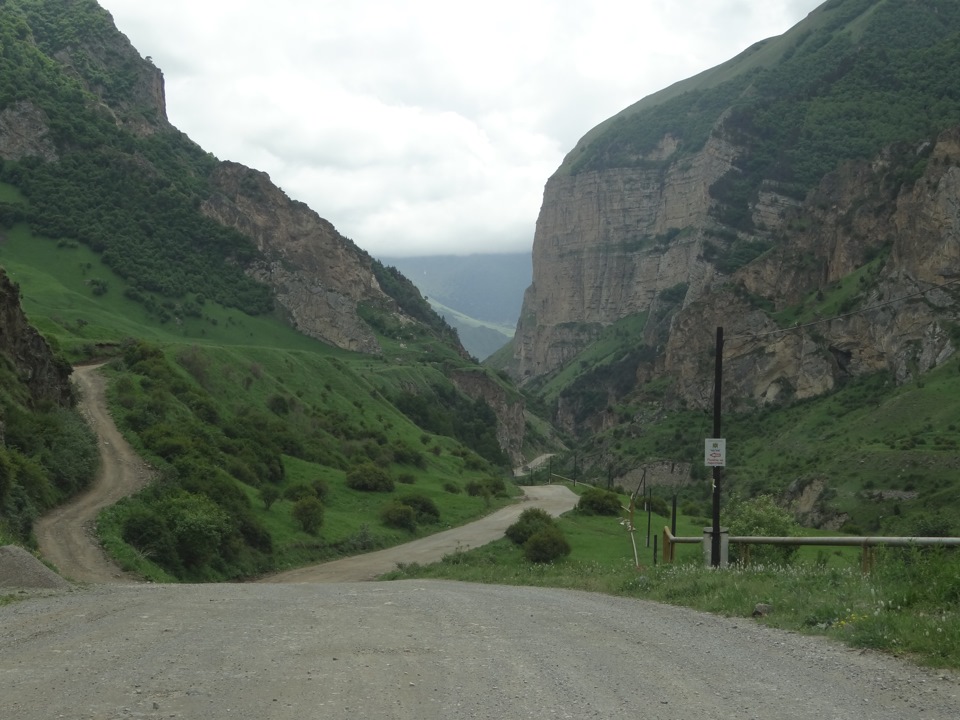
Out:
{"x": 66, "y": 535}
{"x": 67, "y": 539}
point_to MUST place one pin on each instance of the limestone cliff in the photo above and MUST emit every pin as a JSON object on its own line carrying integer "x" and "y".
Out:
{"x": 757, "y": 196}
{"x": 607, "y": 243}
{"x": 900, "y": 304}
{"x": 318, "y": 276}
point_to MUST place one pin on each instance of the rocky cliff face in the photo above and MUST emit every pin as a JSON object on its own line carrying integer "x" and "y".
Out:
{"x": 900, "y": 306}
{"x": 607, "y": 243}
{"x": 319, "y": 277}
{"x": 509, "y": 409}
{"x": 28, "y": 354}
{"x": 25, "y": 132}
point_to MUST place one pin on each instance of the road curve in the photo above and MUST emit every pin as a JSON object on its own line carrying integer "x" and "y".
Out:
{"x": 66, "y": 534}
{"x": 555, "y": 499}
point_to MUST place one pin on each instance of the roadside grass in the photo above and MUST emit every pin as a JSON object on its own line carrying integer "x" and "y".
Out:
{"x": 908, "y": 606}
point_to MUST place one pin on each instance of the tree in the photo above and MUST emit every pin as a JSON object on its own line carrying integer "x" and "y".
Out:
{"x": 269, "y": 494}
{"x": 308, "y": 512}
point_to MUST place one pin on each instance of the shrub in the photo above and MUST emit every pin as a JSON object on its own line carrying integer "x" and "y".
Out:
{"x": 269, "y": 494}
{"x": 424, "y": 507}
{"x": 308, "y": 512}
{"x": 475, "y": 488}
{"x": 149, "y": 534}
{"x": 451, "y": 487}
{"x": 298, "y": 492}
{"x": 762, "y": 516}
{"x": 546, "y": 545}
{"x": 596, "y": 501}
{"x": 369, "y": 478}
{"x": 531, "y": 521}
{"x": 400, "y": 516}
{"x": 488, "y": 487}
{"x": 321, "y": 488}
{"x": 406, "y": 478}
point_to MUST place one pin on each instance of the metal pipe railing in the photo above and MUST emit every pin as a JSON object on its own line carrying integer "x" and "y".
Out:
{"x": 867, "y": 543}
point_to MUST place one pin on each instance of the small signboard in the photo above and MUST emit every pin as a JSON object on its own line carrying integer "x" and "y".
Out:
{"x": 715, "y": 452}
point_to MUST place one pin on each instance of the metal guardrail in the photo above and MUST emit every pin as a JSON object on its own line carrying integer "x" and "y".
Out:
{"x": 867, "y": 543}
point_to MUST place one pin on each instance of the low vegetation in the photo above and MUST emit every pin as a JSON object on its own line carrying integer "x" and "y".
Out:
{"x": 909, "y": 605}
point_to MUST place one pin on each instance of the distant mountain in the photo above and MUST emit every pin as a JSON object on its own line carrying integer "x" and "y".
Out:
{"x": 479, "y": 295}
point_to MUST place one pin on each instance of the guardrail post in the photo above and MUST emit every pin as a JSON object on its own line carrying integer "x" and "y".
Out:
{"x": 866, "y": 559}
{"x": 667, "y": 545}
{"x": 708, "y": 547}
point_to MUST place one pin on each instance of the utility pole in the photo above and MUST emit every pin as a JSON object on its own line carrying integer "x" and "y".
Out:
{"x": 717, "y": 470}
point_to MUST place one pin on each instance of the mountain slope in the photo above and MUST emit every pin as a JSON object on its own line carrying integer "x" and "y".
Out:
{"x": 680, "y": 192}
{"x": 269, "y": 369}
{"x": 803, "y": 197}
{"x": 480, "y": 295}
{"x": 85, "y": 140}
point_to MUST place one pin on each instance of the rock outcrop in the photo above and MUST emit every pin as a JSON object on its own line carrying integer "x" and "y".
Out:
{"x": 508, "y": 407}
{"x": 899, "y": 310}
{"x": 26, "y": 352}
{"x": 318, "y": 276}
{"x": 25, "y": 132}
{"x": 609, "y": 243}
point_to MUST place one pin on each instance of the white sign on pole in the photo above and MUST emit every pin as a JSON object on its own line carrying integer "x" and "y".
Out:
{"x": 715, "y": 452}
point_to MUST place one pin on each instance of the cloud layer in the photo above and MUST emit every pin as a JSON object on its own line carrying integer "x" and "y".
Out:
{"x": 422, "y": 127}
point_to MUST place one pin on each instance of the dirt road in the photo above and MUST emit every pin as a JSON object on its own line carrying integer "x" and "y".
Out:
{"x": 65, "y": 535}
{"x": 555, "y": 499}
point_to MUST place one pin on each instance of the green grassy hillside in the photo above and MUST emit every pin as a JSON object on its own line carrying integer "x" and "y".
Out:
{"x": 242, "y": 417}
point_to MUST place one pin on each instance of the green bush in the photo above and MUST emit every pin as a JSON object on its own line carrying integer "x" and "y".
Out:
{"x": 451, "y": 487}
{"x": 400, "y": 516}
{"x": 596, "y": 501}
{"x": 369, "y": 478}
{"x": 148, "y": 533}
{"x": 424, "y": 507}
{"x": 531, "y": 521}
{"x": 761, "y": 516}
{"x": 488, "y": 487}
{"x": 308, "y": 512}
{"x": 546, "y": 545}
{"x": 298, "y": 492}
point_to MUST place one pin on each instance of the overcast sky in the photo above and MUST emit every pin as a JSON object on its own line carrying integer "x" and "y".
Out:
{"x": 425, "y": 127}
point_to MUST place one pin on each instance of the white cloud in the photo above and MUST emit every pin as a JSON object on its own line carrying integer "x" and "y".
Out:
{"x": 425, "y": 126}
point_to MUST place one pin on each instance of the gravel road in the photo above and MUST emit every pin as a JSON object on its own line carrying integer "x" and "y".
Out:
{"x": 417, "y": 650}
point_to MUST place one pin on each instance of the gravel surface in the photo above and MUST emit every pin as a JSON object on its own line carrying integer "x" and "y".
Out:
{"x": 20, "y": 569}
{"x": 418, "y": 650}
